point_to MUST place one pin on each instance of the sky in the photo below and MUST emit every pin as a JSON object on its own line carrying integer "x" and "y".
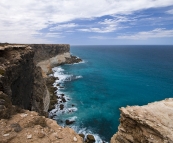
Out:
{"x": 91, "y": 22}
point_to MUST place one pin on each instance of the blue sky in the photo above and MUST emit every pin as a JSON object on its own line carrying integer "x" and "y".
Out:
{"x": 109, "y": 22}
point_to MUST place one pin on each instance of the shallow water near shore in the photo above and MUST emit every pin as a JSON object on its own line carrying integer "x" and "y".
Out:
{"x": 109, "y": 78}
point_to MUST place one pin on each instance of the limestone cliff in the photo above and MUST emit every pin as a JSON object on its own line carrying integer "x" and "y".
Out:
{"x": 47, "y": 51}
{"x": 22, "y": 86}
{"x": 47, "y": 56}
{"x": 152, "y": 123}
{"x": 50, "y": 55}
{"x": 22, "y": 70}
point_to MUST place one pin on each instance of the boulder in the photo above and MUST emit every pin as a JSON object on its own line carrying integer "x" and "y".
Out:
{"x": 64, "y": 100}
{"x": 68, "y": 122}
{"x": 61, "y": 106}
{"x": 16, "y": 127}
{"x": 82, "y": 135}
{"x": 90, "y": 139}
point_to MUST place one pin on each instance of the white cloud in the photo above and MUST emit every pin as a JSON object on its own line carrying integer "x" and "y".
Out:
{"x": 106, "y": 29}
{"x": 107, "y": 25}
{"x": 54, "y": 35}
{"x": 115, "y": 21}
{"x": 170, "y": 11}
{"x": 63, "y": 26}
{"x": 21, "y": 19}
{"x": 156, "y": 33}
{"x": 100, "y": 37}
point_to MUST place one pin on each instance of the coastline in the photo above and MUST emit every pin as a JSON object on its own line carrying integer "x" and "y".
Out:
{"x": 23, "y": 88}
{"x": 64, "y": 109}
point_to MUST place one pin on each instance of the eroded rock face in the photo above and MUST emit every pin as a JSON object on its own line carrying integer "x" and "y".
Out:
{"x": 142, "y": 124}
{"x": 46, "y": 51}
{"x": 41, "y": 95}
{"x": 23, "y": 86}
{"x": 22, "y": 80}
{"x": 17, "y": 78}
{"x": 8, "y": 109}
{"x": 48, "y": 56}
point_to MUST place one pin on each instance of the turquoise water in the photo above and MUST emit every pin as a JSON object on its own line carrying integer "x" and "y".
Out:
{"x": 112, "y": 77}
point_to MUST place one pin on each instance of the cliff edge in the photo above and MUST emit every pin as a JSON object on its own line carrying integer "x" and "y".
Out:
{"x": 152, "y": 123}
{"x": 19, "y": 126}
{"x": 23, "y": 88}
{"x": 24, "y": 73}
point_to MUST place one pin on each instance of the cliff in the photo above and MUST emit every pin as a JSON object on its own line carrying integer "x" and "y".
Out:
{"x": 23, "y": 88}
{"x": 152, "y": 123}
{"x": 24, "y": 70}
{"x": 50, "y": 55}
{"x": 17, "y": 74}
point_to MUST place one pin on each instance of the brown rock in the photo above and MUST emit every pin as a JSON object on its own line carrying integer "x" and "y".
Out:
{"x": 61, "y": 106}
{"x": 68, "y": 122}
{"x": 40, "y": 134}
{"x": 150, "y": 123}
{"x": 64, "y": 100}
{"x": 82, "y": 135}
{"x": 90, "y": 139}
{"x": 2, "y": 107}
{"x": 16, "y": 127}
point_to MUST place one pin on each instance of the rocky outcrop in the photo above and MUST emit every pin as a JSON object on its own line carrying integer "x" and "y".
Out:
{"x": 7, "y": 109}
{"x": 28, "y": 126}
{"x": 152, "y": 123}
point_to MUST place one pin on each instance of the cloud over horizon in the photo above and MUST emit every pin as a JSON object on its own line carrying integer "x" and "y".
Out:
{"x": 54, "y": 21}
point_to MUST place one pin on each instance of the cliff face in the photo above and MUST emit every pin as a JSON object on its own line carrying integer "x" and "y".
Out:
{"x": 16, "y": 78}
{"x": 46, "y": 51}
{"x": 22, "y": 86}
{"x": 152, "y": 123}
{"x": 22, "y": 70}
{"x": 50, "y": 55}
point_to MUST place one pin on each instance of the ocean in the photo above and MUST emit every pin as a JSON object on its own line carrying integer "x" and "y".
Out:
{"x": 111, "y": 77}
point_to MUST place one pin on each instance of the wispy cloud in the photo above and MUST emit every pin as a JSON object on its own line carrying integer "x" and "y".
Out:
{"x": 106, "y": 29}
{"x": 107, "y": 25}
{"x": 54, "y": 35}
{"x": 170, "y": 11}
{"x": 60, "y": 27}
{"x": 20, "y": 20}
{"x": 156, "y": 33}
{"x": 100, "y": 37}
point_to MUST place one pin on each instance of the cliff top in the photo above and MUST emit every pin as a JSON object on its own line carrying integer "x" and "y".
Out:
{"x": 4, "y": 47}
{"x": 148, "y": 123}
{"x": 30, "y": 127}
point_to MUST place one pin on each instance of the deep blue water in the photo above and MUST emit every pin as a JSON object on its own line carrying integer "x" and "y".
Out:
{"x": 113, "y": 77}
